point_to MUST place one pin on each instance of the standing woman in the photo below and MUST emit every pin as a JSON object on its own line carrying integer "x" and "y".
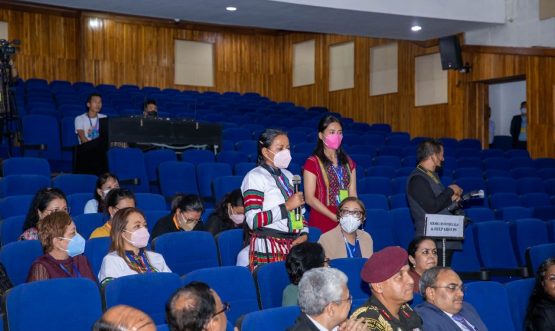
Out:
{"x": 270, "y": 202}
{"x": 329, "y": 175}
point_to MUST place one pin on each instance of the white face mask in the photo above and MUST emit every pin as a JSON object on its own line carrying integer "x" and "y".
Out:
{"x": 349, "y": 223}
{"x": 236, "y": 218}
{"x": 523, "y": 111}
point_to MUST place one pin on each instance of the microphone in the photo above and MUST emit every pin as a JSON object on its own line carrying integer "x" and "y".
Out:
{"x": 296, "y": 187}
{"x": 478, "y": 194}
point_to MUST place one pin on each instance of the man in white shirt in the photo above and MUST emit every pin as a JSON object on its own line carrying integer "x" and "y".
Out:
{"x": 87, "y": 125}
{"x": 444, "y": 308}
{"x": 325, "y": 302}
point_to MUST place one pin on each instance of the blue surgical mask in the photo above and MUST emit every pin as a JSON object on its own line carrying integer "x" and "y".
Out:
{"x": 76, "y": 245}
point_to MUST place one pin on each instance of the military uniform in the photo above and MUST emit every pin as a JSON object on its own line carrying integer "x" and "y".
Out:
{"x": 378, "y": 318}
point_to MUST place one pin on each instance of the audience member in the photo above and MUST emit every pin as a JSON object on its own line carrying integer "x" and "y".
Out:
{"x": 325, "y": 302}
{"x": 444, "y": 308}
{"x": 150, "y": 109}
{"x": 329, "y": 175}
{"x": 63, "y": 248}
{"x": 541, "y": 307}
{"x": 519, "y": 125}
{"x": 347, "y": 239}
{"x": 491, "y": 126}
{"x": 270, "y": 202}
{"x": 128, "y": 255}
{"x": 422, "y": 256}
{"x": 185, "y": 216}
{"x": 116, "y": 199}
{"x": 87, "y": 125}
{"x": 387, "y": 274}
{"x": 301, "y": 258}
{"x": 123, "y": 318}
{"x": 46, "y": 201}
{"x": 230, "y": 213}
{"x": 104, "y": 184}
{"x": 196, "y": 307}
{"x": 243, "y": 255}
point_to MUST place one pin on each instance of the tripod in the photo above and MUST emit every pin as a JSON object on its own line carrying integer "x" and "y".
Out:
{"x": 9, "y": 122}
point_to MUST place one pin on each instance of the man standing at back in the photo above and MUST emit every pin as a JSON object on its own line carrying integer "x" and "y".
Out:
{"x": 87, "y": 125}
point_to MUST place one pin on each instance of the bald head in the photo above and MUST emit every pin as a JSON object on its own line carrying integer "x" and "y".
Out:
{"x": 123, "y": 317}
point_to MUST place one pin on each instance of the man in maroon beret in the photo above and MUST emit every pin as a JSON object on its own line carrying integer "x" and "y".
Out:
{"x": 387, "y": 310}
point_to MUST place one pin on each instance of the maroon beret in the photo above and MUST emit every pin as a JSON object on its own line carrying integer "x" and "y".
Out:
{"x": 384, "y": 264}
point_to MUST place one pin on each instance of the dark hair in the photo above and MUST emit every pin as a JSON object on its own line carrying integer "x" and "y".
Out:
{"x": 428, "y": 148}
{"x": 101, "y": 180}
{"x": 92, "y": 95}
{"x": 413, "y": 247}
{"x": 119, "y": 222}
{"x": 429, "y": 278}
{"x": 319, "y": 150}
{"x": 538, "y": 293}
{"x": 265, "y": 140}
{"x": 303, "y": 257}
{"x": 150, "y": 102}
{"x": 41, "y": 200}
{"x": 116, "y": 195}
{"x": 190, "y": 308}
{"x": 235, "y": 198}
{"x": 522, "y": 104}
{"x": 355, "y": 199}
{"x": 187, "y": 202}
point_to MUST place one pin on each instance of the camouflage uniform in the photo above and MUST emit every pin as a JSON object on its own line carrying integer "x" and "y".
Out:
{"x": 377, "y": 318}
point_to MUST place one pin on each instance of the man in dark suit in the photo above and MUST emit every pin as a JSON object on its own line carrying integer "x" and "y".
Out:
{"x": 519, "y": 128}
{"x": 444, "y": 308}
{"x": 325, "y": 302}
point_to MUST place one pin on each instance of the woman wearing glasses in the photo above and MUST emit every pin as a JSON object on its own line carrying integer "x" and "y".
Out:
{"x": 46, "y": 201}
{"x": 116, "y": 199}
{"x": 422, "y": 256}
{"x": 346, "y": 239}
{"x": 185, "y": 216}
{"x": 63, "y": 250}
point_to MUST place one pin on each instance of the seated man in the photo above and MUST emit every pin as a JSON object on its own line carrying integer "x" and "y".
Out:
{"x": 387, "y": 273}
{"x": 444, "y": 308}
{"x": 325, "y": 302}
{"x": 151, "y": 109}
{"x": 123, "y": 317}
{"x": 196, "y": 307}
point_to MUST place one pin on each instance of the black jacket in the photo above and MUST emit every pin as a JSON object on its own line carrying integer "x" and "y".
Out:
{"x": 516, "y": 123}
{"x": 303, "y": 324}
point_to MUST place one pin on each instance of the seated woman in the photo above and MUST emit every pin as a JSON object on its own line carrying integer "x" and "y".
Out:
{"x": 300, "y": 259}
{"x": 541, "y": 307}
{"x": 185, "y": 216}
{"x": 128, "y": 255}
{"x": 46, "y": 201}
{"x": 346, "y": 239}
{"x": 63, "y": 248}
{"x": 422, "y": 256}
{"x": 230, "y": 213}
{"x": 104, "y": 184}
{"x": 116, "y": 199}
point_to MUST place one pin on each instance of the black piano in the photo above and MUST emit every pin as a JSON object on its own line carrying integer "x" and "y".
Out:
{"x": 91, "y": 157}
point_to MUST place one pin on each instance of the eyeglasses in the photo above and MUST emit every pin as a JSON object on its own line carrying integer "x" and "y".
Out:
{"x": 350, "y": 299}
{"x": 452, "y": 287}
{"x": 192, "y": 220}
{"x": 356, "y": 213}
{"x": 226, "y": 308}
{"x": 66, "y": 209}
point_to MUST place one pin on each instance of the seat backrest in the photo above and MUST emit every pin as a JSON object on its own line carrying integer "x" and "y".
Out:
{"x": 387, "y": 160}
{"x": 75, "y": 183}
{"x": 314, "y": 234}
{"x": 518, "y": 293}
{"x": 376, "y": 185}
{"x": 521, "y": 162}
{"x": 77, "y": 201}
{"x": 148, "y": 292}
{"x": 271, "y": 279}
{"x": 540, "y": 253}
{"x": 23, "y": 184}
{"x": 480, "y": 214}
{"x": 527, "y": 233}
{"x": 154, "y": 158}
{"x": 351, "y": 267}
{"x": 398, "y": 201}
{"x": 26, "y": 166}
{"x": 230, "y": 243}
{"x": 530, "y": 185}
{"x": 498, "y": 253}
{"x": 206, "y": 172}
{"x": 150, "y": 201}
{"x": 42, "y": 301}
{"x": 380, "y": 227}
{"x": 15, "y": 205}
{"x": 17, "y": 258}
{"x": 501, "y": 185}
{"x": 374, "y": 201}
{"x": 225, "y": 184}
{"x": 95, "y": 251}
{"x": 233, "y": 284}
{"x": 177, "y": 177}
{"x": 87, "y": 223}
{"x": 403, "y": 225}
{"x": 187, "y": 251}
{"x": 129, "y": 165}
{"x": 42, "y": 130}
{"x": 11, "y": 228}
{"x": 514, "y": 213}
{"x": 502, "y": 200}
{"x": 196, "y": 156}
{"x": 491, "y": 301}
{"x": 273, "y": 319}
{"x": 242, "y": 168}
{"x": 466, "y": 260}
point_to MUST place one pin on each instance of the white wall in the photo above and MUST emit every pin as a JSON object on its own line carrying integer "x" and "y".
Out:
{"x": 504, "y": 100}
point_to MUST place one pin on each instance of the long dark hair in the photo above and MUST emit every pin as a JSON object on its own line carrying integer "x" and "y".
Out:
{"x": 235, "y": 198}
{"x": 303, "y": 257}
{"x": 265, "y": 141}
{"x": 40, "y": 202}
{"x": 413, "y": 247}
{"x": 319, "y": 150}
{"x": 115, "y": 196}
{"x": 101, "y": 180}
{"x": 538, "y": 294}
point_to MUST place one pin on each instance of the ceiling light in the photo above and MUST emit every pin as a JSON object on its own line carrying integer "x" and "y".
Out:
{"x": 95, "y": 23}
{"x": 231, "y": 8}
{"x": 416, "y": 28}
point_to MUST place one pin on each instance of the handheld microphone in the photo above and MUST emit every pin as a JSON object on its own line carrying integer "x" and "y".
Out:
{"x": 478, "y": 194}
{"x": 296, "y": 188}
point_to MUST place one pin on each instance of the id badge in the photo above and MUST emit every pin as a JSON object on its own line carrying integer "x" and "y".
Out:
{"x": 297, "y": 225}
{"x": 343, "y": 194}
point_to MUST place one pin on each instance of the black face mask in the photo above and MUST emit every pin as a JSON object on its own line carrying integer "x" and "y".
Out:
{"x": 439, "y": 169}
{"x": 151, "y": 114}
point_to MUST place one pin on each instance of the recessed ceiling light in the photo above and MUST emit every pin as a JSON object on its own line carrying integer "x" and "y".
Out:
{"x": 231, "y": 8}
{"x": 416, "y": 28}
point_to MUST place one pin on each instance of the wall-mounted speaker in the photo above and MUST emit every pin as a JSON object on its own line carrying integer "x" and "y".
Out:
{"x": 450, "y": 52}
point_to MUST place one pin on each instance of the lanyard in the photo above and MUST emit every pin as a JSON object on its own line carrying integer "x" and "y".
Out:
{"x": 95, "y": 126}
{"x": 339, "y": 173}
{"x": 429, "y": 173}
{"x": 350, "y": 252}
{"x": 284, "y": 185}
{"x": 74, "y": 267}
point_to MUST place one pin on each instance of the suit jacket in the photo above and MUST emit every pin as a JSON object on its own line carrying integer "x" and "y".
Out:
{"x": 435, "y": 319}
{"x": 516, "y": 123}
{"x": 334, "y": 245}
{"x": 303, "y": 324}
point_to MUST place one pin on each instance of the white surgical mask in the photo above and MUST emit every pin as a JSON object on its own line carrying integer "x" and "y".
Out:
{"x": 349, "y": 223}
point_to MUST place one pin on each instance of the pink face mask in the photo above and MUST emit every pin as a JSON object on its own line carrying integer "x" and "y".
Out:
{"x": 333, "y": 141}
{"x": 139, "y": 237}
{"x": 282, "y": 158}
